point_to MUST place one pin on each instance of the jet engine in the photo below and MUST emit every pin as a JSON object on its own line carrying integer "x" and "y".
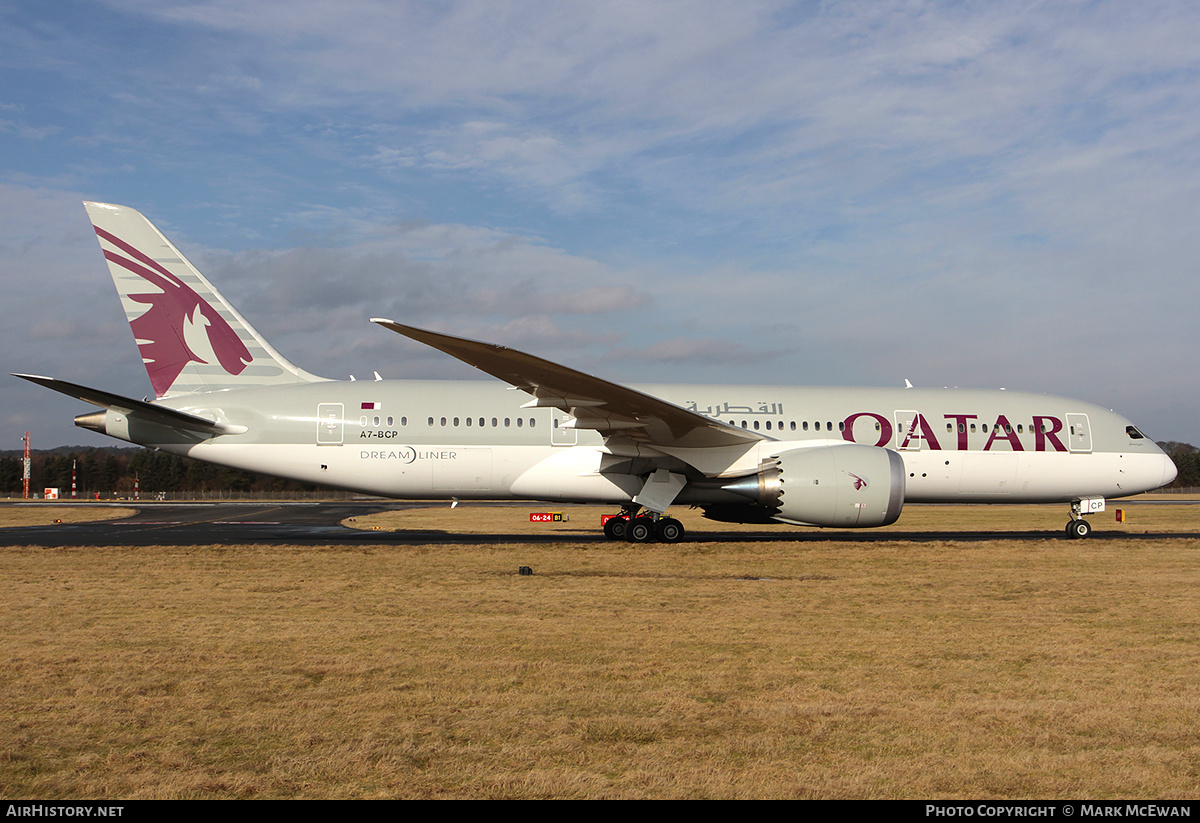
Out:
{"x": 847, "y": 486}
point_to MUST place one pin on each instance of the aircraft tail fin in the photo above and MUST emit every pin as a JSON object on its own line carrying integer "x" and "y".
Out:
{"x": 191, "y": 338}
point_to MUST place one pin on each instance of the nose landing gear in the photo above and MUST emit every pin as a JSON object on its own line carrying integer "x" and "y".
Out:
{"x": 1077, "y": 527}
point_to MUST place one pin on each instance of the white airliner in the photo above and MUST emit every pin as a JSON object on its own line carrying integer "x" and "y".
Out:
{"x": 833, "y": 457}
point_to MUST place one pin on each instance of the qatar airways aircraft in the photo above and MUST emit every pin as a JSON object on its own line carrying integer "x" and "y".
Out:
{"x": 833, "y": 457}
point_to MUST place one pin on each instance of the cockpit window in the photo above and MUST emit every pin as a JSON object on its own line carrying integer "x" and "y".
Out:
{"x": 1134, "y": 434}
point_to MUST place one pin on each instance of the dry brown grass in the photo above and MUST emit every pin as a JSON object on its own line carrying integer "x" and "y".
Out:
{"x": 1140, "y": 518}
{"x": 44, "y": 514}
{"x": 809, "y": 668}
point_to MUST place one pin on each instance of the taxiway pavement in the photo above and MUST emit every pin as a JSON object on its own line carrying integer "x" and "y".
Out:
{"x": 319, "y": 523}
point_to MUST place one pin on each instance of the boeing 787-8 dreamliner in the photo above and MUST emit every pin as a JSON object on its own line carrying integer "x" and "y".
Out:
{"x": 833, "y": 457}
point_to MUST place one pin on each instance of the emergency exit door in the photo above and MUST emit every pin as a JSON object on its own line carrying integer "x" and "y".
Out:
{"x": 1079, "y": 433}
{"x": 330, "y": 423}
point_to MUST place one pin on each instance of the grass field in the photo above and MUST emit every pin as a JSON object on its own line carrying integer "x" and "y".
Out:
{"x": 722, "y": 667}
{"x": 42, "y": 514}
{"x": 1139, "y": 518}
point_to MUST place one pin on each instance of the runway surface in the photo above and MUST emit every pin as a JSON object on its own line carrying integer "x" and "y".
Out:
{"x": 196, "y": 524}
{"x": 193, "y": 524}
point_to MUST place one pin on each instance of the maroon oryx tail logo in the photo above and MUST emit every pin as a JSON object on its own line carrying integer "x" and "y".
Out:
{"x": 860, "y": 483}
{"x": 161, "y": 331}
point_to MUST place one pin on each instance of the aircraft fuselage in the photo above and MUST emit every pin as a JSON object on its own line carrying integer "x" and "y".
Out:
{"x": 474, "y": 439}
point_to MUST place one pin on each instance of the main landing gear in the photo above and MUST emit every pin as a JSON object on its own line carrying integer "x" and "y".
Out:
{"x": 1077, "y": 527}
{"x": 643, "y": 528}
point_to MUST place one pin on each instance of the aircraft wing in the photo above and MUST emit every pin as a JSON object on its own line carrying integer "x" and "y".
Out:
{"x": 610, "y": 408}
{"x": 127, "y": 405}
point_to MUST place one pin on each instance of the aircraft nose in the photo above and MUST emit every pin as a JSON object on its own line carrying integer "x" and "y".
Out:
{"x": 1169, "y": 469}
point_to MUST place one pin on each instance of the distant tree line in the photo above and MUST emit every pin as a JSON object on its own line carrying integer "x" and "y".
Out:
{"x": 112, "y": 472}
{"x": 1187, "y": 460}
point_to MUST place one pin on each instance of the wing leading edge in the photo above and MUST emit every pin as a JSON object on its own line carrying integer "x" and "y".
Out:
{"x": 609, "y": 408}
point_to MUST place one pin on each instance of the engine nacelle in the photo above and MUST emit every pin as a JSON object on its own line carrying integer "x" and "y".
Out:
{"x": 846, "y": 486}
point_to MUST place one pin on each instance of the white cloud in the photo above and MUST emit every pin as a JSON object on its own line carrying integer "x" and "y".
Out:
{"x": 968, "y": 193}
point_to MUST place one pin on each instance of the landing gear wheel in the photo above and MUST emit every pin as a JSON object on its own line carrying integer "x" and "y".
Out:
{"x": 1079, "y": 529}
{"x": 641, "y": 530}
{"x": 670, "y": 530}
{"x": 615, "y": 527}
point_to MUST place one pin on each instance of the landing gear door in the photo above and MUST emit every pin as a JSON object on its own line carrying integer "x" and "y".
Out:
{"x": 1079, "y": 433}
{"x": 330, "y": 422}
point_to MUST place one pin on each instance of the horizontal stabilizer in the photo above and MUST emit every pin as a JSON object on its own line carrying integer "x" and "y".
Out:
{"x": 127, "y": 405}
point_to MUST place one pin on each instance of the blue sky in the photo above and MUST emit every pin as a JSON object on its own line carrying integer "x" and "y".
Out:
{"x": 958, "y": 194}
